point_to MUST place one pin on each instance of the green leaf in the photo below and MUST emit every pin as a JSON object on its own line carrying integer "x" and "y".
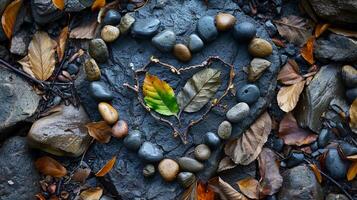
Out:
{"x": 159, "y": 96}
{"x": 199, "y": 90}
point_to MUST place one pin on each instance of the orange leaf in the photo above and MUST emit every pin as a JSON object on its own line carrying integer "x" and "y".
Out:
{"x": 316, "y": 172}
{"x": 49, "y": 166}
{"x": 61, "y": 43}
{"x": 8, "y": 18}
{"x": 100, "y": 131}
{"x": 320, "y": 28}
{"x": 92, "y": 194}
{"x": 58, "y": 4}
{"x": 98, "y": 4}
{"x": 249, "y": 187}
{"x": 289, "y": 74}
{"x": 107, "y": 167}
{"x": 307, "y": 51}
{"x": 352, "y": 171}
{"x": 204, "y": 192}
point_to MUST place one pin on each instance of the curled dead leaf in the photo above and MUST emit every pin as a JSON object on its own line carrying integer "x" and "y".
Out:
{"x": 91, "y": 194}
{"x": 98, "y": 4}
{"x": 249, "y": 187}
{"x": 320, "y": 28}
{"x": 26, "y": 66}
{"x": 59, "y": 4}
{"x": 49, "y": 166}
{"x": 224, "y": 190}
{"x": 225, "y": 164}
{"x": 106, "y": 168}
{"x": 352, "y": 157}
{"x": 81, "y": 174}
{"x": 8, "y": 18}
{"x": 204, "y": 192}
{"x": 289, "y": 73}
{"x": 316, "y": 172}
{"x": 61, "y": 43}
{"x": 352, "y": 171}
{"x": 100, "y": 131}
{"x": 84, "y": 31}
{"x": 288, "y": 96}
{"x": 307, "y": 51}
{"x": 353, "y": 116}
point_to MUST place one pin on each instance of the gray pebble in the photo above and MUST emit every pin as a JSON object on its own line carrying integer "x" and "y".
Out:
{"x": 150, "y": 152}
{"x": 206, "y": 28}
{"x": 202, "y": 152}
{"x": 126, "y": 22}
{"x": 257, "y": 67}
{"x": 335, "y": 165}
{"x": 195, "y": 44}
{"x": 190, "y": 164}
{"x": 244, "y": 32}
{"x": 249, "y": 94}
{"x": 225, "y": 130}
{"x": 349, "y": 76}
{"x": 238, "y": 112}
{"x": 186, "y": 179}
{"x": 164, "y": 41}
{"x": 145, "y": 28}
{"x": 100, "y": 92}
{"x": 112, "y": 17}
{"x": 212, "y": 140}
{"x": 133, "y": 140}
{"x": 149, "y": 170}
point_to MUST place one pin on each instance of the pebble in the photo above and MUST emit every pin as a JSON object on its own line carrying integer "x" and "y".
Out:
{"x": 324, "y": 137}
{"x": 336, "y": 197}
{"x": 206, "y": 28}
{"x": 238, "y": 112}
{"x": 278, "y": 144}
{"x": 120, "y": 129}
{"x": 335, "y": 165}
{"x": 314, "y": 146}
{"x": 182, "y": 53}
{"x": 108, "y": 113}
{"x": 110, "y": 33}
{"x": 150, "y": 152}
{"x": 212, "y": 140}
{"x": 168, "y": 169}
{"x": 249, "y": 94}
{"x": 72, "y": 69}
{"x": 145, "y": 28}
{"x": 164, "y": 41}
{"x": 149, "y": 170}
{"x": 349, "y": 76}
{"x": 190, "y": 164}
{"x": 202, "y": 152}
{"x": 351, "y": 94}
{"x": 225, "y": 130}
{"x": 270, "y": 27}
{"x": 133, "y": 140}
{"x": 347, "y": 148}
{"x": 260, "y": 48}
{"x": 112, "y": 17}
{"x": 100, "y": 92}
{"x": 92, "y": 70}
{"x": 294, "y": 159}
{"x": 186, "y": 179}
{"x": 244, "y": 32}
{"x": 98, "y": 50}
{"x": 225, "y": 21}
{"x": 195, "y": 44}
{"x": 126, "y": 22}
{"x": 257, "y": 67}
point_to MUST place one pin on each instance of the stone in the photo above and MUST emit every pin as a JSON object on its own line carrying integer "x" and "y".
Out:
{"x": 278, "y": 144}
{"x": 182, "y": 53}
{"x": 225, "y": 21}
{"x": 20, "y": 42}
{"x": 108, "y": 113}
{"x": 347, "y": 149}
{"x": 19, "y": 177}
{"x": 351, "y": 94}
{"x": 202, "y": 152}
{"x": 294, "y": 159}
{"x": 120, "y": 129}
{"x": 145, "y": 28}
{"x": 335, "y": 166}
{"x": 336, "y": 197}
{"x": 256, "y": 68}
{"x": 168, "y": 169}
{"x": 112, "y": 17}
{"x": 300, "y": 183}
{"x": 4, "y": 53}
{"x": 74, "y": 6}
{"x": 134, "y": 140}
{"x": 349, "y": 76}
{"x": 212, "y": 140}
{"x": 18, "y": 101}
{"x": 62, "y": 133}
{"x": 126, "y": 22}
{"x": 92, "y": 70}
{"x": 44, "y": 12}
{"x": 336, "y": 48}
{"x": 249, "y": 94}
{"x": 100, "y": 92}
{"x": 238, "y": 112}
{"x": 190, "y": 164}
{"x": 195, "y": 44}
{"x": 150, "y": 152}
{"x": 260, "y": 48}
{"x": 149, "y": 170}
{"x": 272, "y": 30}
{"x": 244, "y": 31}
{"x": 206, "y": 28}
{"x": 316, "y": 97}
{"x": 225, "y": 130}
{"x": 98, "y": 50}
{"x": 164, "y": 41}
{"x": 109, "y": 33}
{"x": 72, "y": 69}
{"x": 324, "y": 137}
{"x": 186, "y": 179}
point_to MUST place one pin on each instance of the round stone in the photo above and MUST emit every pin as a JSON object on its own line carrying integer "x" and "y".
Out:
{"x": 145, "y": 28}
{"x": 195, "y": 44}
{"x": 206, "y": 28}
{"x": 244, "y": 31}
{"x": 98, "y": 50}
{"x": 202, "y": 152}
{"x": 133, "y": 140}
{"x": 126, "y": 22}
{"x": 120, "y": 129}
{"x": 182, "y": 53}
{"x": 212, "y": 140}
{"x": 238, "y": 112}
{"x": 72, "y": 69}
{"x": 150, "y": 152}
{"x": 186, "y": 179}
{"x": 164, "y": 41}
{"x": 112, "y": 17}
{"x": 336, "y": 167}
{"x": 249, "y": 94}
{"x": 225, "y": 130}
{"x": 149, "y": 170}
{"x": 349, "y": 76}
{"x": 225, "y": 21}
{"x": 190, "y": 164}
{"x": 92, "y": 70}
{"x": 260, "y": 48}
{"x": 168, "y": 169}
{"x": 100, "y": 92}
{"x": 108, "y": 113}
{"x": 109, "y": 33}
{"x": 256, "y": 68}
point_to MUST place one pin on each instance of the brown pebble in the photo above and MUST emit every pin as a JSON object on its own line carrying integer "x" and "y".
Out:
{"x": 260, "y": 48}
{"x": 92, "y": 70}
{"x": 225, "y": 21}
{"x": 52, "y": 188}
{"x": 182, "y": 53}
{"x": 110, "y": 33}
{"x": 62, "y": 78}
{"x": 108, "y": 113}
{"x": 120, "y": 129}
{"x": 168, "y": 169}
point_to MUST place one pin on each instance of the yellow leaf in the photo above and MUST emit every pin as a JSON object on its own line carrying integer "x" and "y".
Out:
{"x": 61, "y": 43}
{"x": 316, "y": 172}
{"x": 352, "y": 171}
{"x": 92, "y": 194}
{"x": 288, "y": 96}
{"x": 100, "y": 131}
{"x": 249, "y": 187}
{"x": 106, "y": 168}
{"x": 58, "y": 4}
{"x": 307, "y": 51}
{"x": 49, "y": 166}
{"x": 26, "y": 66}
{"x": 8, "y": 18}
{"x": 98, "y": 4}
{"x": 353, "y": 116}
{"x": 320, "y": 28}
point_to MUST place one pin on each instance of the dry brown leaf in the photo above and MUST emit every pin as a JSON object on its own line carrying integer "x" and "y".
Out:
{"x": 190, "y": 193}
{"x": 249, "y": 187}
{"x": 58, "y": 4}
{"x": 84, "y": 31}
{"x": 292, "y": 134}
{"x": 352, "y": 157}
{"x": 26, "y": 66}
{"x": 204, "y": 192}
{"x": 106, "y": 168}
{"x": 61, "y": 43}
{"x": 289, "y": 73}
{"x": 352, "y": 171}
{"x": 98, "y": 4}
{"x": 100, "y": 131}
{"x": 320, "y": 28}
{"x": 295, "y": 29}
{"x": 344, "y": 32}
{"x": 49, "y": 166}
{"x": 316, "y": 172}
{"x": 40, "y": 196}
{"x": 224, "y": 190}
{"x": 225, "y": 164}
{"x": 91, "y": 194}
{"x": 353, "y": 116}
{"x": 8, "y": 18}
{"x": 246, "y": 149}
{"x": 288, "y": 96}
{"x": 81, "y": 174}
{"x": 307, "y": 51}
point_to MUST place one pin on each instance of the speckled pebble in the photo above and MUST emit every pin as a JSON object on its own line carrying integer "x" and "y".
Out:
{"x": 225, "y": 130}
{"x": 249, "y": 94}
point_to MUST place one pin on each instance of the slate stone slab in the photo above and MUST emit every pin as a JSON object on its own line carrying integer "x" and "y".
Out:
{"x": 127, "y": 54}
